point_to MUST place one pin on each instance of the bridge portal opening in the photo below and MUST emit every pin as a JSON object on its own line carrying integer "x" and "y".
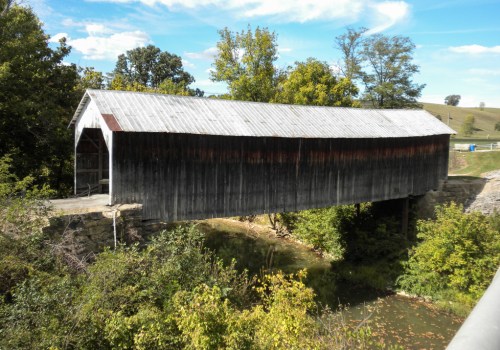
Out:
{"x": 92, "y": 163}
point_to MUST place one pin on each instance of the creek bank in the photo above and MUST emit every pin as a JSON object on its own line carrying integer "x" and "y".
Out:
{"x": 393, "y": 319}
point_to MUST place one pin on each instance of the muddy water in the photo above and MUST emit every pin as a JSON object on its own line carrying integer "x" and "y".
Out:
{"x": 393, "y": 319}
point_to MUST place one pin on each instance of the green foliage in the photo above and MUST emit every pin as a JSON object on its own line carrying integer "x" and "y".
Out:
{"x": 37, "y": 99}
{"x": 497, "y": 126}
{"x": 313, "y": 83}
{"x": 347, "y": 234}
{"x": 245, "y": 61}
{"x": 149, "y": 66}
{"x": 321, "y": 228}
{"x": 349, "y": 45}
{"x": 384, "y": 66}
{"x": 90, "y": 79}
{"x": 452, "y": 100}
{"x": 166, "y": 87}
{"x": 388, "y": 81}
{"x": 467, "y": 127}
{"x": 457, "y": 256}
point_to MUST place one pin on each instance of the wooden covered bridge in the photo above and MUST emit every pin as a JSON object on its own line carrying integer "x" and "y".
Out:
{"x": 192, "y": 158}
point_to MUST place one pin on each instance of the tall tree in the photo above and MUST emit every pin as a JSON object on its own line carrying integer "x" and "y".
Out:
{"x": 350, "y": 45}
{"x": 452, "y": 100}
{"x": 37, "y": 98}
{"x": 388, "y": 71}
{"x": 149, "y": 66}
{"x": 90, "y": 79}
{"x": 245, "y": 61}
{"x": 313, "y": 83}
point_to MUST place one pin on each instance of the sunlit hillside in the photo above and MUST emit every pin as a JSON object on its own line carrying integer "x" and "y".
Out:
{"x": 484, "y": 120}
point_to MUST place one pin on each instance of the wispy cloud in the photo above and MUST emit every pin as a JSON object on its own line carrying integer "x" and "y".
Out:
{"x": 188, "y": 64}
{"x": 205, "y": 55}
{"x": 386, "y": 13}
{"x": 102, "y": 42}
{"x": 475, "y": 49}
{"x": 485, "y": 72}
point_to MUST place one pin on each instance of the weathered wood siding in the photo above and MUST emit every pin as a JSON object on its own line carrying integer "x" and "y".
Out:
{"x": 181, "y": 177}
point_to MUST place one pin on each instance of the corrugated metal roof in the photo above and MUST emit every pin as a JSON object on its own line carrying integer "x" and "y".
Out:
{"x": 146, "y": 112}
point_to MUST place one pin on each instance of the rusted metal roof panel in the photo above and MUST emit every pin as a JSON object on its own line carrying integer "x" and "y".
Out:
{"x": 146, "y": 112}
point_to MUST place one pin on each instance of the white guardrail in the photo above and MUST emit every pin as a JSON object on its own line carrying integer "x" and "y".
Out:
{"x": 481, "y": 329}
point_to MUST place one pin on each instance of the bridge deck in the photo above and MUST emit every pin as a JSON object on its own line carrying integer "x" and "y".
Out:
{"x": 92, "y": 204}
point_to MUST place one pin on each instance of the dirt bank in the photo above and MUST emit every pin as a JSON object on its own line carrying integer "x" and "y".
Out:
{"x": 488, "y": 200}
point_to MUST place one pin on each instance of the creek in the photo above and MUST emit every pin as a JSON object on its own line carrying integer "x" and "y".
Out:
{"x": 393, "y": 319}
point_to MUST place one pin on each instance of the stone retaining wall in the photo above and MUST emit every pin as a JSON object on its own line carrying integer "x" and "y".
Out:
{"x": 460, "y": 189}
{"x": 85, "y": 233}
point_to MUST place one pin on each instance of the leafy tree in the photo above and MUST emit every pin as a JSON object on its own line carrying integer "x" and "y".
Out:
{"x": 5, "y": 6}
{"x": 497, "y": 126}
{"x": 388, "y": 72}
{"x": 313, "y": 83}
{"x": 245, "y": 62}
{"x": 467, "y": 127}
{"x": 349, "y": 45}
{"x": 452, "y": 100}
{"x": 482, "y": 105}
{"x": 151, "y": 70}
{"x": 90, "y": 79}
{"x": 37, "y": 99}
{"x": 458, "y": 254}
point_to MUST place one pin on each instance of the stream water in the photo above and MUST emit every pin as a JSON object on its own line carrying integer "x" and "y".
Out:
{"x": 393, "y": 319}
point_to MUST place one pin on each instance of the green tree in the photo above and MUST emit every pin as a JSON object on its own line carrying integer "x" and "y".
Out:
{"x": 5, "y": 6}
{"x": 458, "y": 253}
{"x": 245, "y": 61}
{"x": 482, "y": 105}
{"x": 467, "y": 127}
{"x": 452, "y": 100}
{"x": 387, "y": 74}
{"x": 497, "y": 126}
{"x": 313, "y": 83}
{"x": 350, "y": 45}
{"x": 90, "y": 79}
{"x": 37, "y": 99}
{"x": 149, "y": 66}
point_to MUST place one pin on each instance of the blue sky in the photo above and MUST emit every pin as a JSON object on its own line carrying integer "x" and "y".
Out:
{"x": 457, "y": 42}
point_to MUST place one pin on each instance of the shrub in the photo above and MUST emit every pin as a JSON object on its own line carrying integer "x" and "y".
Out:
{"x": 458, "y": 255}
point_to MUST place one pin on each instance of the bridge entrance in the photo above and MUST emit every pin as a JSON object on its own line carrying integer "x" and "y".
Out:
{"x": 92, "y": 163}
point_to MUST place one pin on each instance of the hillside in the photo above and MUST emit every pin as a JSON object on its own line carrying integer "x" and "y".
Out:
{"x": 485, "y": 120}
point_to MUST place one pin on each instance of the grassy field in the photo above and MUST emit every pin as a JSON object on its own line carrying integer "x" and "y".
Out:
{"x": 484, "y": 120}
{"x": 473, "y": 163}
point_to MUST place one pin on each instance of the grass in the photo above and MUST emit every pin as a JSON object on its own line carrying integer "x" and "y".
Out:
{"x": 484, "y": 120}
{"x": 474, "y": 163}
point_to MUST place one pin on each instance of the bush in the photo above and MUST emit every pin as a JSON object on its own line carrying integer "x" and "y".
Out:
{"x": 457, "y": 256}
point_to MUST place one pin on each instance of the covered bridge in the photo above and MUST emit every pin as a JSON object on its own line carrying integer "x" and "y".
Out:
{"x": 191, "y": 158}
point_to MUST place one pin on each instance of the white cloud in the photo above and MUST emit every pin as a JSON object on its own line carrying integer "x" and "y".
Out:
{"x": 303, "y": 10}
{"x": 206, "y": 55}
{"x": 94, "y": 29}
{"x": 475, "y": 49}
{"x": 387, "y": 14}
{"x": 103, "y": 43}
{"x": 284, "y": 49}
{"x": 187, "y": 64}
{"x": 58, "y": 36}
